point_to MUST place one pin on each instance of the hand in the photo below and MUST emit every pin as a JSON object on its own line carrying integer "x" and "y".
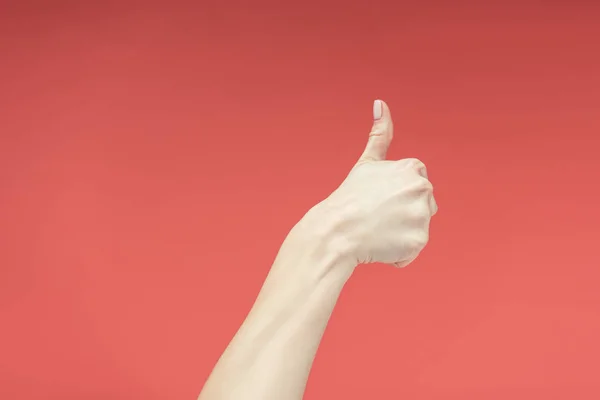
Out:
{"x": 383, "y": 208}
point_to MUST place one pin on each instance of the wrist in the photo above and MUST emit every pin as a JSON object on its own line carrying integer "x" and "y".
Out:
{"x": 319, "y": 239}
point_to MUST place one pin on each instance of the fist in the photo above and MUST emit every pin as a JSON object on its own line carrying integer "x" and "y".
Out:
{"x": 382, "y": 210}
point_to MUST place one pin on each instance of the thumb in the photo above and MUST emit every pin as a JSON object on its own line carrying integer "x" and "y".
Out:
{"x": 381, "y": 133}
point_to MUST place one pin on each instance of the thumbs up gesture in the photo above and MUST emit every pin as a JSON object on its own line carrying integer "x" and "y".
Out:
{"x": 382, "y": 210}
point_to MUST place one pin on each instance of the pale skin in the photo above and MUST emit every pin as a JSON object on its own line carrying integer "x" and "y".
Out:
{"x": 380, "y": 213}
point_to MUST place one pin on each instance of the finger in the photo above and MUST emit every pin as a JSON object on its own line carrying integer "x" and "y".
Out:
{"x": 381, "y": 133}
{"x": 403, "y": 264}
{"x": 422, "y": 170}
{"x": 433, "y": 205}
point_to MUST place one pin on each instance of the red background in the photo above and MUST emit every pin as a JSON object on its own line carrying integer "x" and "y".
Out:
{"x": 154, "y": 155}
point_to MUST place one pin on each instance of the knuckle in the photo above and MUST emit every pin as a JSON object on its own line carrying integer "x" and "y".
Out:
{"x": 380, "y": 129}
{"x": 420, "y": 211}
{"x": 434, "y": 206}
{"x": 416, "y": 163}
{"x": 423, "y": 185}
{"x": 420, "y": 239}
{"x": 426, "y": 212}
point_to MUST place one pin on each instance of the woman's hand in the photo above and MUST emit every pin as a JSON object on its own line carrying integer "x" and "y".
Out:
{"x": 382, "y": 210}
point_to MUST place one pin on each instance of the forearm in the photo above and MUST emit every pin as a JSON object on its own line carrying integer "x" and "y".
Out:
{"x": 380, "y": 213}
{"x": 271, "y": 355}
